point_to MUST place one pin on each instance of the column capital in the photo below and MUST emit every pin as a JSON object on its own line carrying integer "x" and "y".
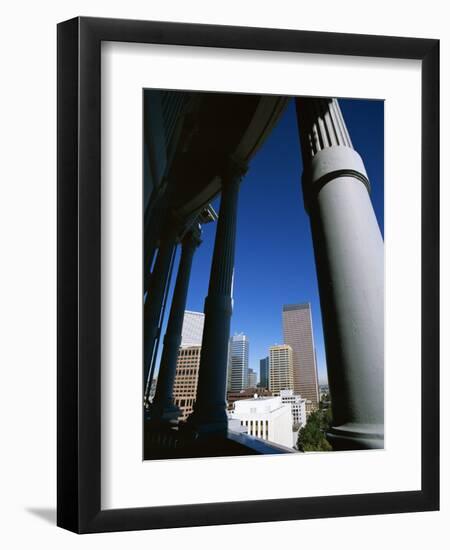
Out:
{"x": 192, "y": 237}
{"x": 335, "y": 162}
{"x": 234, "y": 170}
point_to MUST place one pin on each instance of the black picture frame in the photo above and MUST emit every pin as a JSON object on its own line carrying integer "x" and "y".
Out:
{"x": 79, "y": 281}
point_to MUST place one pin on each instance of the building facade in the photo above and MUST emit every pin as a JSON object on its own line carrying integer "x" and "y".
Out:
{"x": 281, "y": 373}
{"x": 186, "y": 379}
{"x": 298, "y": 333}
{"x": 238, "y": 362}
{"x": 264, "y": 372}
{"x": 298, "y": 407}
{"x": 192, "y": 332}
{"x": 266, "y": 418}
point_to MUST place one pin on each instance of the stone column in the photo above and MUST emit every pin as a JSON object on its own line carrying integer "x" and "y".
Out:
{"x": 153, "y": 220}
{"x": 154, "y": 301}
{"x": 209, "y": 416}
{"x": 163, "y": 408}
{"x": 349, "y": 254}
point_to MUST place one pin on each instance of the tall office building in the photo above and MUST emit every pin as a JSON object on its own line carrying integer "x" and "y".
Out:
{"x": 192, "y": 332}
{"x": 238, "y": 362}
{"x": 298, "y": 333}
{"x": 281, "y": 371}
{"x": 252, "y": 379}
{"x": 264, "y": 372}
{"x": 186, "y": 379}
{"x": 188, "y": 362}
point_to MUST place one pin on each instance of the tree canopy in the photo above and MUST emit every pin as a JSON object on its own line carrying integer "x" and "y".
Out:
{"x": 312, "y": 436}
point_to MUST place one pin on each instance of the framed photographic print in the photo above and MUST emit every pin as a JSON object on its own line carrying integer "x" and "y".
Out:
{"x": 248, "y": 238}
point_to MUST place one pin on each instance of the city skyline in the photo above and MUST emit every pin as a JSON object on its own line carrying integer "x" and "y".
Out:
{"x": 192, "y": 332}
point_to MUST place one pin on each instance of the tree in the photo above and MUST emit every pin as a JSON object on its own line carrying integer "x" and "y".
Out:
{"x": 312, "y": 436}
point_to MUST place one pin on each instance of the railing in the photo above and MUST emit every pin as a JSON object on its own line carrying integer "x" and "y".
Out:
{"x": 164, "y": 442}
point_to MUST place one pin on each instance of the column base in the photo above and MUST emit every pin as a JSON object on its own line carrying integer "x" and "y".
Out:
{"x": 207, "y": 425}
{"x": 353, "y": 437}
{"x": 168, "y": 413}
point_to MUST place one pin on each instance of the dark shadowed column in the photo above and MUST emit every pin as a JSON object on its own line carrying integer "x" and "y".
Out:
{"x": 209, "y": 416}
{"x": 155, "y": 298}
{"x": 349, "y": 255}
{"x": 163, "y": 408}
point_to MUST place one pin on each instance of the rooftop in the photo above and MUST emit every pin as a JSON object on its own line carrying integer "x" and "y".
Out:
{"x": 294, "y": 307}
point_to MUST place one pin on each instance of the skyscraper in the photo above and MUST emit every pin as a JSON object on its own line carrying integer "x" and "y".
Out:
{"x": 192, "y": 332}
{"x": 238, "y": 362}
{"x": 264, "y": 372}
{"x": 252, "y": 378}
{"x": 186, "y": 379}
{"x": 281, "y": 372}
{"x": 298, "y": 333}
{"x": 188, "y": 362}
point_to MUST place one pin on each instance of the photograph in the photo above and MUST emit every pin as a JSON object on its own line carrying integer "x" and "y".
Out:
{"x": 263, "y": 274}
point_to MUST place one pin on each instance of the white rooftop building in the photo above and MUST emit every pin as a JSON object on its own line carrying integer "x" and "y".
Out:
{"x": 265, "y": 417}
{"x": 298, "y": 406}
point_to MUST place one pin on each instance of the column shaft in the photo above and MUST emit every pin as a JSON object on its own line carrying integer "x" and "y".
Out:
{"x": 209, "y": 414}
{"x": 163, "y": 407}
{"x": 349, "y": 255}
{"x": 154, "y": 302}
{"x": 153, "y": 220}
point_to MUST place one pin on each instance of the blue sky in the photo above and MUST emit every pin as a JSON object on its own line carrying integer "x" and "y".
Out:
{"x": 274, "y": 262}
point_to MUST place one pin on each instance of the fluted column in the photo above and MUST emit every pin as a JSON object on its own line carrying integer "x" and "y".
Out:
{"x": 349, "y": 254}
{"x": 163, "y": 408}
{"x": 154, "y": 301}
{"x": 209, "y": 416}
